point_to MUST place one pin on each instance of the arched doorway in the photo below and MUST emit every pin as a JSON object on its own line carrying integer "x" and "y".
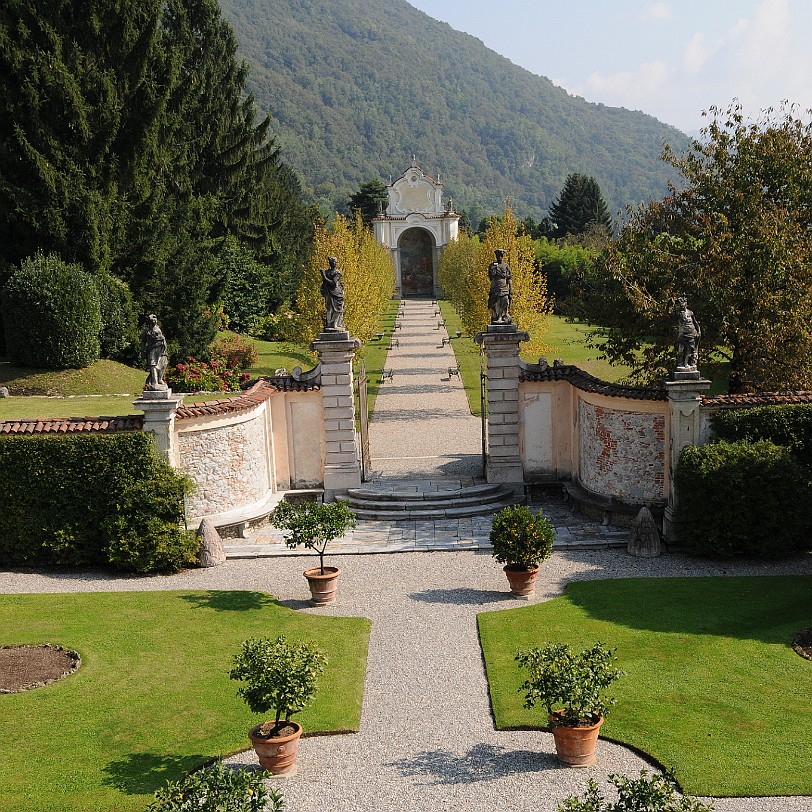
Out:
{"x": 416, "y": 250}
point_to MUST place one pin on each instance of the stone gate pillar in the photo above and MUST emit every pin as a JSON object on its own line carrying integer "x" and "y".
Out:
{"x": 684, "y": 400}
{"x": 341, "y": 468}
{"x": 501, "y": 345}
{"x": 159, "y": 409}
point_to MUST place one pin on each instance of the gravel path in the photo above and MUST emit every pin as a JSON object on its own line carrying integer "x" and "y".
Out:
{"x": 422, "y": 424}
{"x": 427, "y": 740}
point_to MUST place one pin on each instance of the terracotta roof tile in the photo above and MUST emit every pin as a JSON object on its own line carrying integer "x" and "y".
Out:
{"x": 72, "y": 425}
{"x": 756, "y": 399}
{"x": 256, "y": 392}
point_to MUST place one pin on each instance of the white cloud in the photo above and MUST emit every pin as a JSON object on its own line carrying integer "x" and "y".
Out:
{"x": 696, "y": 53}
{"x": 637, "y": 86}
{"x": 657, "y": 12}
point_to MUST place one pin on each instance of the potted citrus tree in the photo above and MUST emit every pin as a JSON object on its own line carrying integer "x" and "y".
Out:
{"x": 521, "y": 541}
{"x": 282, "y": 677}
{"x": 313, "y": 525}
{"x": 572, "y": 688}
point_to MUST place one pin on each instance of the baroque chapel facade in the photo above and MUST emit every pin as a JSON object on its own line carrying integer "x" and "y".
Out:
{"x": 415, "y": 227}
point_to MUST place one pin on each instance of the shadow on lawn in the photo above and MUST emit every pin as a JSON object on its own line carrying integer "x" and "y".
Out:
{"x": 144, "y": 773}
{"x": 754, "y": 607}
{"x": 230, "y": 600}
{"x": 483, "y": 762}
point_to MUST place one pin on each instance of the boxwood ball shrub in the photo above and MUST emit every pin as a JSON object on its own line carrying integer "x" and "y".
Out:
{"x": 89, "y": 500}
{"x": 743, "y": 498}
{"x": 51, "y": 314}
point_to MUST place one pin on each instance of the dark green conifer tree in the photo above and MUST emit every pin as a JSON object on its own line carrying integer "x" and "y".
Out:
{"x": 579, "y": 204}
{"x": 368, "y": 199}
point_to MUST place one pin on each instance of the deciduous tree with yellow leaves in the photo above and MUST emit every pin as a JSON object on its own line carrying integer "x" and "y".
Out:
{"x": 464, "y": 279}
{"x": 367, "y": 272}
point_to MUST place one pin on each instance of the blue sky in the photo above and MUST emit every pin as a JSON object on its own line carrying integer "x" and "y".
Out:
{"x": 669, "y": 58}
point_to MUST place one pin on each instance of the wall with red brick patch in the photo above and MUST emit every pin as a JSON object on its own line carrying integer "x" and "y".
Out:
{"x": 622, "y": 452}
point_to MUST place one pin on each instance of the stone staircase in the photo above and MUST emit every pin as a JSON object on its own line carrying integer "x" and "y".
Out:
{"x": 372, "y": 503}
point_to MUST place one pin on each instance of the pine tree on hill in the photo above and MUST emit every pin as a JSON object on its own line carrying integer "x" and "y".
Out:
{"x": 579, "y": 205}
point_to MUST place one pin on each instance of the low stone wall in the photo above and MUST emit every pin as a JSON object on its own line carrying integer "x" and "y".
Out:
{"x": 622, "y": 452}
{"x": 241, "y": 450}
{"x": 227, "y": 457}
{"x": 609, "y": 439}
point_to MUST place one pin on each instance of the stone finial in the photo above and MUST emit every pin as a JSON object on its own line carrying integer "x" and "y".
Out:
{"x": 644, "y": 541}
{"x": 212, "y": 553}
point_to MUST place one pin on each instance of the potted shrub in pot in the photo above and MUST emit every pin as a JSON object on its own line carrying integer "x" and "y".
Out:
{"x": 313, "y": 525}
{"x": 521, "y": 541}
{"x": 282, "y": 677}
{"x": 572, "y": 687}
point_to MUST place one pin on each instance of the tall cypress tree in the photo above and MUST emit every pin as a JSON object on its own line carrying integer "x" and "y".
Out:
{"x": 579, "y": 204}
{"x": 127, "y": 143}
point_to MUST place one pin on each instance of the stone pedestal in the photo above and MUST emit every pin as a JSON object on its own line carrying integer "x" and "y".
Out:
{"x": 342, "y": 470}
{"x": 159, "y": 409}
{"x": 684, "y": 400}
{"x": 501, "y": 345}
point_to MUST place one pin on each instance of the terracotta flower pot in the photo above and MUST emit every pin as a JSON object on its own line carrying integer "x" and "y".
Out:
{"x": 322, "y": 587}
{"x": 277, "y": 754}
{"x": 575, "y": 746}
{"x": 522, "y": 580}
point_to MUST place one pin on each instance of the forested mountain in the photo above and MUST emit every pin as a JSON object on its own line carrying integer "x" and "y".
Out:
{"x": 355, "y": 87}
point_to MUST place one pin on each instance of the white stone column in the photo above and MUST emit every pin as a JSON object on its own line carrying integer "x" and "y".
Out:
{"x": 159, "y": 409}
{"x": 501, "y": 344}
{"x": 684, "y": 401}
{"x": 341, "y": 467}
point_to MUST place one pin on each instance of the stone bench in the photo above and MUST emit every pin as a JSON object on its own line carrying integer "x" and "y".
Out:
{"x": 235, "y": 523}
{"x": 610, "y": 509}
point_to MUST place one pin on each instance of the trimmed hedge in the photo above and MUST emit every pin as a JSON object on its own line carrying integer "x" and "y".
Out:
{"x": 89, "y": 500}
{"x": 119, "y": 331}
{"x": 743, "y": 498}
{"x": 788, "y": 425}
{"x": 51, "y": 314}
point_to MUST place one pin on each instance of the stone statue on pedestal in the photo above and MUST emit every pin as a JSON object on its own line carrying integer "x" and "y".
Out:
{"x": 501, "y": 289}
{"x": 153, "y": 347}
{"x": 333, "y": 292}
{"x": 688, "y": 336}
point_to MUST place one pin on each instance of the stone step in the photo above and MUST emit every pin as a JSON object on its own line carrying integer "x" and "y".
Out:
{"x": 418, "y": 496}
{"x": 455, "y": 500}
{"x": 451, "y": 511}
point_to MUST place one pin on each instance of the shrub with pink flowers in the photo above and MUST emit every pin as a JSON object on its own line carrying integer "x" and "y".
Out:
{"x": 218, "y": 375}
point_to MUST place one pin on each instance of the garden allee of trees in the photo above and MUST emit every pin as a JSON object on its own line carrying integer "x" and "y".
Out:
{"x": 129, "y": 151}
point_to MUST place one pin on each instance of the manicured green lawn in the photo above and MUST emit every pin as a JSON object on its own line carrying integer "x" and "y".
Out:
{"x": 375, "y": 351}
{"x": 103, "y": 377}
{"x": 714, "y": 690}
{"x": 152, "y": 699}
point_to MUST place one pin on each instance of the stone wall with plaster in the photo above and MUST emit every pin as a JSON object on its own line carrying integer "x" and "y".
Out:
{"x": 622, "y": 452}
{"x": 228, "y": 459}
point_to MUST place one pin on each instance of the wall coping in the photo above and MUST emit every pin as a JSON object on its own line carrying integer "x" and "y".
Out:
{"x": 755, "y": 399}
{"x": 257, "y": 392}
{"x": 72, "y": 425}
{"x": 575, "y": 376}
